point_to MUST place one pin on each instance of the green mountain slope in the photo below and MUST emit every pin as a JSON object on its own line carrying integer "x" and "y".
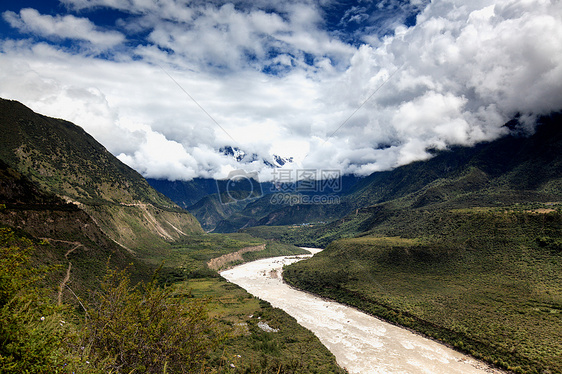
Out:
{"x": 185, "y": 193}
{"x": 64, "y": 160}
{"x": 515, "y": 164}
{"x": 488, "y": 282}
{"x": 68, "y": 235}
{"x": 465, "y": 247}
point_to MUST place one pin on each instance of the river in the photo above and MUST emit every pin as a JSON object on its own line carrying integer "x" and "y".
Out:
{"x": 361, "y": 343}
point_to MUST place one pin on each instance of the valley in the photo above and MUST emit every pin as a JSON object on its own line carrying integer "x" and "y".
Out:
{"x": 463, "y": 248}
{"x": 85, "y": 243}
{"x": 361, "y": 343}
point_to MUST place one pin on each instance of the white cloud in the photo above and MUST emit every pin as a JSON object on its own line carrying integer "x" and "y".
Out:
{"x": 453, "y": 79}
{"x": 63, "y": 27}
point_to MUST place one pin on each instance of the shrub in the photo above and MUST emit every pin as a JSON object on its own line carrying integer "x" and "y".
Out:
{"x": 144, "y": 329}
{"x": 31, "y": 331}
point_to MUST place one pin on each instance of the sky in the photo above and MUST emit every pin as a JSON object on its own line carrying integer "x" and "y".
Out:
{"x": 355, "y": 86}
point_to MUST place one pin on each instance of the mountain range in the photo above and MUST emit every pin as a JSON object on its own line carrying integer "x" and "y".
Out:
{"x": 64, "y": 161}
{"x": 503, "y": 171}
{"x": 472, "y": 228}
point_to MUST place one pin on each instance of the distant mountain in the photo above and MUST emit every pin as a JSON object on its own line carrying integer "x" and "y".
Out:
{"x": 185, "y": 193}
{"x": 278, "y": 161}
{"x": 516, "y": 170}
{"x": 63, "y": 160}
{"x": 243, "y": 157}
{"x": 265, "y": 208}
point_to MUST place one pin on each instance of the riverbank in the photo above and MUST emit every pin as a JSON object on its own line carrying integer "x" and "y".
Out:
{"x": 360, "y": 342}
{"x": 493, "y": 295}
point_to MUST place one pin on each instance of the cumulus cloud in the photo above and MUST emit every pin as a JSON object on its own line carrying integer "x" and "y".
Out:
{"x": 64, "y": 27}
{"x": 277, "y": 80}
{"x": 462, "y": 72}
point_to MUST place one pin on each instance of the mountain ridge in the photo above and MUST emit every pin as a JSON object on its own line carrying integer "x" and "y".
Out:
{"x": 497, "y": 172}
{"x": 63, "y": 160}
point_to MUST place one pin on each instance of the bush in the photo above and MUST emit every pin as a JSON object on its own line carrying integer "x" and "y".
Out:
{"x": 31, "y": 331}
{"x": 125, "y": 328}
{"x": 144, "y": 329}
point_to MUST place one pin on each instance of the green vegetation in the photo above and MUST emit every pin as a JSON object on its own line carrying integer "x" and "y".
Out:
{"x": 122, "y": 328}
{"x": 187, "y": 258}
{"x": 291, "y": 349}
{"x": 28, "y": 320}
{"x": 486, "y": 281}
{"x": 143, "y": 328}
{"x": 202, "y": 325}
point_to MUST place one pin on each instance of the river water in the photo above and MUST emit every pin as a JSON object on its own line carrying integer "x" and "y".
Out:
{"x": 361, "y": 343}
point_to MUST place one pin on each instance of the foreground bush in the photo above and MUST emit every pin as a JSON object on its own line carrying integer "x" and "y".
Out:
{"x": 31, "y": 334}
{"x": 144, "y": 329}
{"x": 123, "y": 329}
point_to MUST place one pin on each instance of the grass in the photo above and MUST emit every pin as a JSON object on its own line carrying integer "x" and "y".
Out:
{"x": 486, "y": 282}
{"x": 187, "y": 259}
{"x": 292, "y": 349}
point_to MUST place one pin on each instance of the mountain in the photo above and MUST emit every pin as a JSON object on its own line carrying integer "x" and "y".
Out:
{"x": 63, "y": 160}
{"x": 465, "y": 248}
{"x": 490, "y": 173}
{"x": 217, "y": 215}
{"x": 68, "y": 281}
{"x": 185, "y": 193}
{"x": 67, "y": 233}
{"x": 243, "y": 157}
{"x": 514, "y": 169}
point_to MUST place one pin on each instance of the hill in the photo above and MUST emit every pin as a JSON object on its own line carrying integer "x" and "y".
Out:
{"x": 486, "y": 281}
{"x": 64, "y": 160}
{"x": 69, "y": 237}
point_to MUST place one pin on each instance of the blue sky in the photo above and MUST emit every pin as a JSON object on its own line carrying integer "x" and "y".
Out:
{"x": 360, "y": 86}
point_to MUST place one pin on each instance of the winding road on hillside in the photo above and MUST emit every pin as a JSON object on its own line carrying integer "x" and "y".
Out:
{"x": 361, "y": 343}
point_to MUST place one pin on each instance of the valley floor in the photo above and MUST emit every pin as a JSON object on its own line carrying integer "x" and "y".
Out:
{"x": 361, "y": 343}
